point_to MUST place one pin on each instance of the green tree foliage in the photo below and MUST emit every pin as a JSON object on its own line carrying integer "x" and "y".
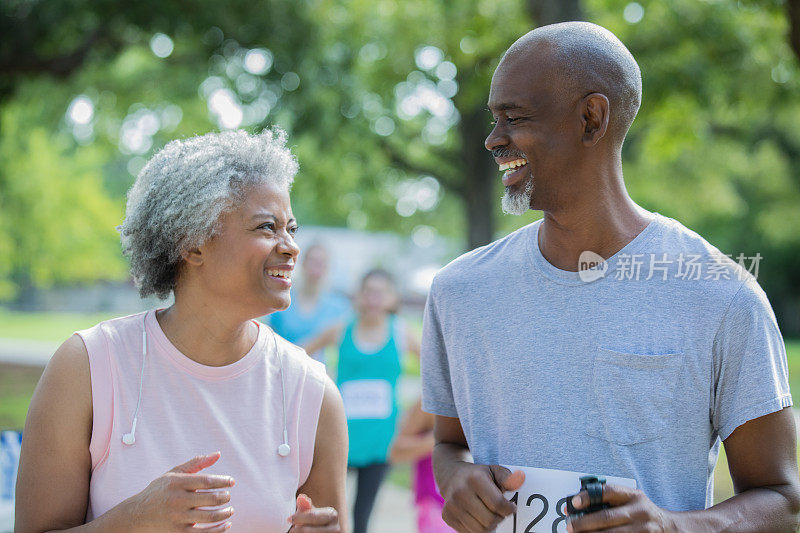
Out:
{"x": 385, "y": 105}
{"x": 56, "y": 220}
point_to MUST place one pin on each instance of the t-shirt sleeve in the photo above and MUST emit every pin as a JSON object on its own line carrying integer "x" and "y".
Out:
{"x": 751, "y": 373}
{"x": 437, "y": 389}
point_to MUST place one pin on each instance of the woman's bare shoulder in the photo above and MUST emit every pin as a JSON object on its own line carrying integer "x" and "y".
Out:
{"x": 65, "y": 387}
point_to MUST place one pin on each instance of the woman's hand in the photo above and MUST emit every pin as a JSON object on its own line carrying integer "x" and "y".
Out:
{"x": 310, "y": 519}
{"x": 172, "y": 501}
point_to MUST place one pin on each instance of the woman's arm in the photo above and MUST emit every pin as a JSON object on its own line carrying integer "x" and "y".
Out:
{"x": 415, "y": 439}
{"x": 55, "y": 465}
{"x": 325, "y": 485}
{"x": 324, "y": 339}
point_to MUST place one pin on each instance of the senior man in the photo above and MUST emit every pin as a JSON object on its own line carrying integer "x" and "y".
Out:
{"x": 636, "y": 364}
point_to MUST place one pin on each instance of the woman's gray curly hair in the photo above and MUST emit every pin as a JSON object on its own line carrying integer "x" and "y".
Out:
{"x": 178, "y": 197}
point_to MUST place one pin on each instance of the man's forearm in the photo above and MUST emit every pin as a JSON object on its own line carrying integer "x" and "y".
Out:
{"x": 446, "y": 457}
{"x": 764, "y": 509}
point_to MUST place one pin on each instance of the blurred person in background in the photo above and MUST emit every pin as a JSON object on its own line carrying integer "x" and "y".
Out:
{"x": 370, "y": 349}
{"x": 414, "y": 444}
{"x": 236, "y": 408}
{"x": 313, "y": 308}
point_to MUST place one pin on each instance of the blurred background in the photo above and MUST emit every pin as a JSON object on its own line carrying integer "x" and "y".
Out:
{"x": 385, "y": 105}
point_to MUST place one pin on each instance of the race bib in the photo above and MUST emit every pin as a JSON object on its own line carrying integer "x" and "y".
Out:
{"x": 367, "y": 399}
{"x": 542, "y": 500}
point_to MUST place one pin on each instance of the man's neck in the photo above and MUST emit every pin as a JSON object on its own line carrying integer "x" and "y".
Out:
{"x": 603, "y": 226}
{"x": 205, "y": 333}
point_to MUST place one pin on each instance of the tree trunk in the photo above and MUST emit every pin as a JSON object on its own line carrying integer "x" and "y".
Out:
{"x": 793, "y": 14}
{"x": 546, "y": 12}
{"x": 480, "y": 176}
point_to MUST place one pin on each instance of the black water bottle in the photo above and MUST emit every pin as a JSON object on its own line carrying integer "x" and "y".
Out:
{"x": 593, "y": 485}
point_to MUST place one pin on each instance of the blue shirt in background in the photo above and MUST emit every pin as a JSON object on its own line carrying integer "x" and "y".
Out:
{"x": 299, "y": 326}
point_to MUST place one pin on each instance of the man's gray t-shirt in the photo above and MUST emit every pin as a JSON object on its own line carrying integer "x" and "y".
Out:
{"x": 623, "y": 376}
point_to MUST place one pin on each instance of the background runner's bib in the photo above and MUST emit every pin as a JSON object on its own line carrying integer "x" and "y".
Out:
{"x": 368, "y": 382}
{"x": 367, "y": 399}
{"x": 542, "y": 499}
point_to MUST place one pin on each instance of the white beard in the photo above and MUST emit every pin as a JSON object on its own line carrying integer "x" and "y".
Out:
{"x": 518, "y": 203}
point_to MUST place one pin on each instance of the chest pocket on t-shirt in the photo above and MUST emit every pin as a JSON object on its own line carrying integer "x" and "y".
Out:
{"x": 632, "y": 396}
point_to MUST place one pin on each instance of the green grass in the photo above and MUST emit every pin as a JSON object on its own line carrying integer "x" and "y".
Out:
{"x": 400, "y": 475}
{"x": 54, "y": 327}
{"x": 16, "y": 388}
{"x": 793, "y": 356}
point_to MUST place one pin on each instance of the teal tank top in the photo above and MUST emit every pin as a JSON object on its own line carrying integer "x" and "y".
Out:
{"x": 368, "y": 383}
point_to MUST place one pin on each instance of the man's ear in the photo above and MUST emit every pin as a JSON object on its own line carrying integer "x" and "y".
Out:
{"x": 594, "y": 118}
{"x": 193, "y": 256}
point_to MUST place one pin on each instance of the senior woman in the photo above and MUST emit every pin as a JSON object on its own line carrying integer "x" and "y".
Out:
{"x": 196, "y": 415}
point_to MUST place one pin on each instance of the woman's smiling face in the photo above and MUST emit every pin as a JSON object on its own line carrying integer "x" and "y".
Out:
{"x": 248, "y": 263}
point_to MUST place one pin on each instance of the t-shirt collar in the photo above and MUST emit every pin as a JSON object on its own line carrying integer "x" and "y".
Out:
{"x": 567, "y": 277}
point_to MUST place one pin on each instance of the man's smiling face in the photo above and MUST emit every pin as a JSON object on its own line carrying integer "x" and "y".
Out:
{"x": 533, "y": 139}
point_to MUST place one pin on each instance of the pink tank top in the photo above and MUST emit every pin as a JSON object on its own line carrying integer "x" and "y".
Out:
{"x": 189, "y": 409}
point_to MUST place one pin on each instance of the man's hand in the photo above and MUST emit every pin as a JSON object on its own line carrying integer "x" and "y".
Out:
{"x": 474, "y": 501}
{"x": 631, "y": 511}
{"x": 312, "y": 519}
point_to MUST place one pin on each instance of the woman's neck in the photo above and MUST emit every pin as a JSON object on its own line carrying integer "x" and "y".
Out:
{"x": 371, "y": 330}
{"x": 372, "y": 321}
{"x": 206, "y": 335}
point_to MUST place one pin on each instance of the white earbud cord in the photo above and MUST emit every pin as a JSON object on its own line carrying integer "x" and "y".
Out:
{"x": 283, "y": 449}
{"x": 130, "y": 438}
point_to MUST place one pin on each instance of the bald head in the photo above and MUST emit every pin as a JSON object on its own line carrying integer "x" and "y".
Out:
{"x": 580, "y": 58}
